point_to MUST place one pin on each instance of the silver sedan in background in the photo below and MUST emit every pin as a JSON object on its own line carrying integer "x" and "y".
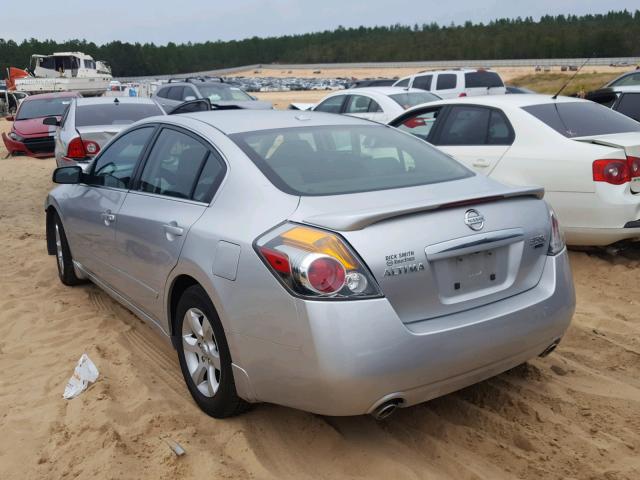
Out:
{"x": 89, "y": 123}
{"x": 317, "y": 261}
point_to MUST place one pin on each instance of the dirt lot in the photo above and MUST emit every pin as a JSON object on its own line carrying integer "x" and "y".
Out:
{"x": 573, "y": 415}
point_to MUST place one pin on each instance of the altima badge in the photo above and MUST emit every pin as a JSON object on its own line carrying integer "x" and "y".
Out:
{"x": 474, "y": 219}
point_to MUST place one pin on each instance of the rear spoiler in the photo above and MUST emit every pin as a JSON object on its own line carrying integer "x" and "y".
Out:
{"x": 361, "y": 219}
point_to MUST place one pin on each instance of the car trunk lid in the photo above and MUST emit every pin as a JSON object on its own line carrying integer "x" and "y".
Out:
{"x": 101, "y": 134}
{"x": 435, "y": 252}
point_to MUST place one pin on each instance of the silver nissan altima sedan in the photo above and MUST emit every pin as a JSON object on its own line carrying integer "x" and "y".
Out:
{"x": 317, "y": 261}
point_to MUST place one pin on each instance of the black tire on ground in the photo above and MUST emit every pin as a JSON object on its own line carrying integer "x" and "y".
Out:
{"x": 64, "y": 260}
{"x": 225, "y": 402}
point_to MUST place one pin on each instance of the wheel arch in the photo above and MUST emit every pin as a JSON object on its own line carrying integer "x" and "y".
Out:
{"x": 51, "y": 213}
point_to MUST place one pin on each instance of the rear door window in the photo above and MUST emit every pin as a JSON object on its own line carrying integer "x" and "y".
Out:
{"x": 500, "y": 130}
{"x": 175, "y": 93}
{"x": 464, "y": 125}
{"x": 174, "y": 165}
{"x": 358, "y": 104}
{"x": 446, "y": 81}
{"x": 423, "y": 82}
{"x": 331, "y": 104}
{"x": 403, "y": 83}
{"x": 581, "y": 119}
{"x": 630, "y": 105}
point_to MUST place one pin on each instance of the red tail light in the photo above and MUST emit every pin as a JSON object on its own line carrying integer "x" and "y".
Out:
{"x": 462, "y": 95}
{"x": 81, "y": 149}
{"x": 615, "y": 171}
{"x": 414, "y": 122}
{"x": 76, "y": 149}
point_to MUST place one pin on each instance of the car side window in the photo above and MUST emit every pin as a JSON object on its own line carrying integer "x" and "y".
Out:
{"x": 607, "y": 98}
{"x": 174, "y": 165}
{"x": 210, "y": 178}
{"x": 446, "y": 81}
{"x": 188, "y": 92}
{"x": 374, "y": 107}
{"x": 163, "y": 92}
{"x": 500, "y": 131}
{"x": 331, "y": 104}
{"x": 175, "y": 93}
{"x": 421, "y": 124}
{"x": 630, "y": 105}
{"x": 423, "y": 82}
{"x": 357, "y": 104}
{"x": 115, "y": 166}
{"x": 465, "y": 125}
{"x": 403, "y": 83}
{"x": 631, "y": 79}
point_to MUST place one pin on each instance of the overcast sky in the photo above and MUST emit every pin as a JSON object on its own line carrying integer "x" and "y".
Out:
{"x": 162, "y": 21}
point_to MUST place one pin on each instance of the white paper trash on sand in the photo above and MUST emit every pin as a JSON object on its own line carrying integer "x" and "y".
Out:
{"x": 85, "y": 373}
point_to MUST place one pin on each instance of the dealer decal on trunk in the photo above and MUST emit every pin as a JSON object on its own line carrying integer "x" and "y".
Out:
{"x": 402, "y": 263}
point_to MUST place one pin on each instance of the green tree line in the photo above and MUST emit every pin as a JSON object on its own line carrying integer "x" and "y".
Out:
{"x": 605, "y": 35}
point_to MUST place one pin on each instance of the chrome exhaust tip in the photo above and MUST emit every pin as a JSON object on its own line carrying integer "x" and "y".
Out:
{"x": 386, "y": 409}
{"x": 550, "y": 348}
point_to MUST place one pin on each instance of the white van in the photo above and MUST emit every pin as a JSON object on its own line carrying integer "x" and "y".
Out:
{"x": 456, "y": 82}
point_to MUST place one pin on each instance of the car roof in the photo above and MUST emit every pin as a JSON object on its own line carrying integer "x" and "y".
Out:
{"x": 519, "y": 100}
{"x": 197, "y": 84}
{"x": 44, "y": 96}
{"x": 238, "y": 121}
{"x": 382, "y": 90}
{"x": 107, "y": 100}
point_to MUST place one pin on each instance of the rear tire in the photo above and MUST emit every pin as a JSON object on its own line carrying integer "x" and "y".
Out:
{"x": 204, "y": 355}
{"x": 64, "y": 260}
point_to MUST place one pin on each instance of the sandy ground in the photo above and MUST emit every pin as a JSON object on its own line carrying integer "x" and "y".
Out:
{"x": 573, "y": 415}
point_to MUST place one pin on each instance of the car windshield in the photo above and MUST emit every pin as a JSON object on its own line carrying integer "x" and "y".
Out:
{"x": 114, "y": 113}
{"x": 342, "y": 159}
{"x": 582, "y": 119}
{"x": 223, "y": 93}
{"x": 45, "y": 107}
{"x": 411, "y": 99}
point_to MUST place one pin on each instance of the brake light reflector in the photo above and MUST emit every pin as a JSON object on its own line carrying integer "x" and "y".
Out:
{"x": 315, "y": 263}
{"x": 634, "y": 166}
{"x": 92, "y": 148}
{"x": 76, "y": 149}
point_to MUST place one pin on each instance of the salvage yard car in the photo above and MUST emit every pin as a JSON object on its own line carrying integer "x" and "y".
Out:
{"x": 29, "y": 135}
{"x": 379, "y": 104}
{"x": 586, "y": 156}
{"x": 175, "y": 93}
{"x": 317, "y": 261}
{"x": 457, "y": 82}
{"x": 89, "y": 123}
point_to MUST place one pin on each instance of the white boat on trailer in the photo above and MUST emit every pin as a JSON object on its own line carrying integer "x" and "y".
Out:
{"x": 63, "y": 72}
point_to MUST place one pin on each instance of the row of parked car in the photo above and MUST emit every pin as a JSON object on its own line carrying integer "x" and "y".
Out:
{"x": 338, "y": 265}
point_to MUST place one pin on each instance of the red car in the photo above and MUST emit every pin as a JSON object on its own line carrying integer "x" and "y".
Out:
{"x": 29, "y": 136}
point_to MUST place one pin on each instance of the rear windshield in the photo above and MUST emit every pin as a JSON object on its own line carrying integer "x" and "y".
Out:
{"x": 342, "y": 159}
{"x": 411, "y": 99}
{"x": 45, "y": 107}
{"x": 582, "y": 119}
{"x": 114, "y": 114}
{"x": 222, "y": 93}
{"x": 482, "y": 79}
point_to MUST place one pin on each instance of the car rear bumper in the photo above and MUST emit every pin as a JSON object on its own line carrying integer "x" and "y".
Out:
{"x": 16, "y": 147}
{"x": 359, "y": 354}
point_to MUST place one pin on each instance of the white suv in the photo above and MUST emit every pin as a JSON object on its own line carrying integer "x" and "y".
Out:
{"x": 456, "y": 83}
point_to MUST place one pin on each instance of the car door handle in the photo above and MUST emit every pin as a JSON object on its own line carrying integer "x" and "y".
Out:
{"x": 172, "y": 229}
{"x": 108, "y": 218}
{"x": 481, "y": 162}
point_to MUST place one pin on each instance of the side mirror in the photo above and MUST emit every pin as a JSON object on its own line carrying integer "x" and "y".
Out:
{"x": 189, "y": 98}
{"x": 53, "y": 121}
{"x": 10, "y": 118}
{"x": 67, "y": 175}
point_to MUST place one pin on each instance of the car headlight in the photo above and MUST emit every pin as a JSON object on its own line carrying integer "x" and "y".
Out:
{"x": 15, "y": 136}
{"x": 556, "y": 244}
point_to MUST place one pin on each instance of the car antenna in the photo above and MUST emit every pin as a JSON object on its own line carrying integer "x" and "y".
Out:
{"x": 555, "y": 97}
